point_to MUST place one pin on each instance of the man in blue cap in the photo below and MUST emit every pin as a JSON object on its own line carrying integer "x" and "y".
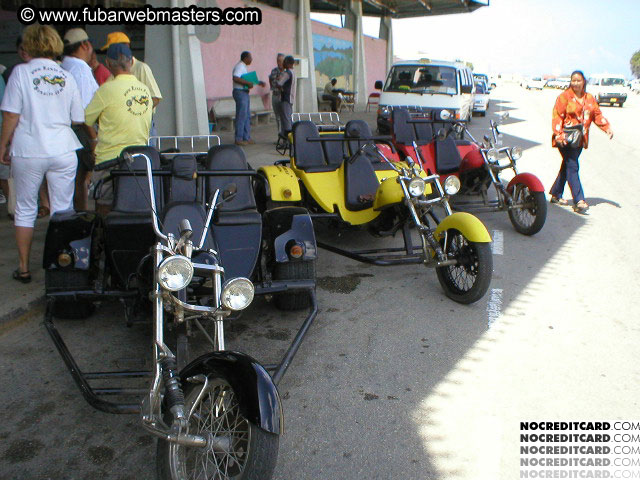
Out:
{"x": 122, "y": 109}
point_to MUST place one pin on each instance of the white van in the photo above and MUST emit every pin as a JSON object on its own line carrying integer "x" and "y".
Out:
{"x": 608, "y": 88}
{"x": 435, "y": 88}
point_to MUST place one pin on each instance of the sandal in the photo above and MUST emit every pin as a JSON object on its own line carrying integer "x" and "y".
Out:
{"x": 23, "y": 277}
{"x": 559, "y": 201}
{"x": 581, "y": 207}
{"x": 43, "y": 212}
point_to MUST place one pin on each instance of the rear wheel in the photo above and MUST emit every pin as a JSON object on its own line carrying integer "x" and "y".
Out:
{"x": 237, "y": 449}
{"x": 468, "y": 280}
{"x": 530, "y": 211}
{"x": 296, "y": 300}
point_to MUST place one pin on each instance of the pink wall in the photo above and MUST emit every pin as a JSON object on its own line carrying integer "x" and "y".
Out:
{"x": 375, "y": 51}
{"x": 275, "y": 34}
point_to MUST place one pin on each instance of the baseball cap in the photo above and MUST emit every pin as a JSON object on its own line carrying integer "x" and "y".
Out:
{"x": 116, "y": 49}
{"x": 75, "y": 35}
{"x": 116, "y": 37}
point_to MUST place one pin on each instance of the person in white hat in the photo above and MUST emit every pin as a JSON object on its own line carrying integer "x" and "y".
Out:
{"x": 77, "y": 55}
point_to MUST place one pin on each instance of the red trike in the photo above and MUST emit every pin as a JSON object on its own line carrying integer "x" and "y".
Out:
{"x": 471, "y": 167}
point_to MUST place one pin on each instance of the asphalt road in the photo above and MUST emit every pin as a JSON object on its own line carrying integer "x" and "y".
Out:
{"x": 394, "y": 381}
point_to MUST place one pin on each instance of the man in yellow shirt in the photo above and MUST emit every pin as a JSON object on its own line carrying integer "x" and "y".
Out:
{"x": 140, "y": 70}
{"x": 122, "y": 109}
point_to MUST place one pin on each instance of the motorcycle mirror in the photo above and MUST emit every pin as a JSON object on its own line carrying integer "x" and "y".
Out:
{"x": 486, "y": 138}
{"x": 442, "y": 135}
{"x": 229, "y": 191}
{"x": 185, "y": 229}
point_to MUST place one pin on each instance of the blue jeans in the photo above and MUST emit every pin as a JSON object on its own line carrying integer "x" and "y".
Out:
{"x": 243, "y": 117}
{"x": 569, "y": 173}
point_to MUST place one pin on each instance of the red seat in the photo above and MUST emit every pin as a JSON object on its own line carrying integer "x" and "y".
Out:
{"x": 374, "y": 99}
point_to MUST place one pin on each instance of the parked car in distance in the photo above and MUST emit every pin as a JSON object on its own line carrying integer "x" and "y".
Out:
{"x": 483, "y": 77}
{"x": 635, "y": 85}
{"x": 535, "y": 82}
{"x": 608, "y": 88}
{"x": 481, "y": 101}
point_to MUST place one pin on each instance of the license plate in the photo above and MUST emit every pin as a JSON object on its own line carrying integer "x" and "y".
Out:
{"x": 614, "y": 100}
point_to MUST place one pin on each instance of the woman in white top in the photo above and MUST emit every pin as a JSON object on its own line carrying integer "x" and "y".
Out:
{"x": 41, "y": 101}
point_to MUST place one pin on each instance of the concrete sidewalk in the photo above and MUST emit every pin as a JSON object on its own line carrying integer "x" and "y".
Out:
{"x": 18, "y": 298}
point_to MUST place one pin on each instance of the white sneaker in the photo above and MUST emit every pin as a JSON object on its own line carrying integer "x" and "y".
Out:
{"x": 3, "y": 199}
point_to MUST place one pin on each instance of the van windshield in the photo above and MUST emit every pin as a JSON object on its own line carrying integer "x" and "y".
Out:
{"x": 422, "y": 79}
{"x": 610, "y": 82}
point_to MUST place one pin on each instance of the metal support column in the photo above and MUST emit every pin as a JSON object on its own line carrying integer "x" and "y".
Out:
{"x": 386, "y": 33}
{"x": 354, "y": 21}
{"x": 306, "y": 97}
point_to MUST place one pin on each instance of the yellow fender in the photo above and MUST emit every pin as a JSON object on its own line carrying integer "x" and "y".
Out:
{"x": 389, "y": 193}
{"x": 283, "y": 183}
{"x": 467, "y": 224}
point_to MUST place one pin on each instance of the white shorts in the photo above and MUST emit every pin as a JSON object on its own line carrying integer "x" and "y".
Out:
{"x": 28, "y": 174}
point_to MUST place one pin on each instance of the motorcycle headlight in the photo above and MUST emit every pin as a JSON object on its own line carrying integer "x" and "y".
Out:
{"x": 516, "y": 153}
{"x": 237, "y": 293}
{"x": 492, "y": 155}
{"x": 445, "y": 114}
{"x": 451, "y": 185}
{"x": 175, "y": 273}
{"x": 416, "y": 187}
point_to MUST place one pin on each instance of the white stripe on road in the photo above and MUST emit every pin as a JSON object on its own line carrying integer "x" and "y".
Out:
{"x": 497, "y": 246}
{"x": 494, "y": 306}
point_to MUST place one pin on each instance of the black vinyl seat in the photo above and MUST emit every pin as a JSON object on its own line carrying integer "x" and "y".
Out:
{"x": 333, "y": 149}
{"x": 448, "y": 157}
{"x": 361, "y": 130}
{"x": 128, "y": 227}
{"x": 407, "y": 130}
{"x": 309, "y": 153}
{"x": 361, "y": 182}
{"x": 182, "y": 201}
{"x": 237, "y": 225}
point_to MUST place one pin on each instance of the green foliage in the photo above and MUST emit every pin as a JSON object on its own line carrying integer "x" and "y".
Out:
{"x": 635, "y": 64}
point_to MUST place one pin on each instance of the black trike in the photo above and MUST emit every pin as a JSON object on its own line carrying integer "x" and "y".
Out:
{"x": 186, "y": 266}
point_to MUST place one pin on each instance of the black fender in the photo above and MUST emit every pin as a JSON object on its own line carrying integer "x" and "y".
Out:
{"x": 286, "y": 224}
{"x": 71, "y": 232}
{"x": 257, "y": 394}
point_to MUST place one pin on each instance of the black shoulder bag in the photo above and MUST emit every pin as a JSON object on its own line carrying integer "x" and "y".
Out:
{"x": 573, "y": 135}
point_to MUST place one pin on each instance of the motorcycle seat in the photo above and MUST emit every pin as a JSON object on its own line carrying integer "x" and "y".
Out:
{"x": 406, "y": 131}
{"x": 182, "y": 185}
{"x": 448, "y": 157}
{"x": 230, "y": 157}
{"x": 361, "y": 183}
{"x": 311, "y": 153}
{"x": 131, "y": 193}
{"x": 194, "y": 212}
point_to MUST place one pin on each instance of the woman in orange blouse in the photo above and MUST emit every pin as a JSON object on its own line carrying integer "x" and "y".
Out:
{"x": 574, "y": 106}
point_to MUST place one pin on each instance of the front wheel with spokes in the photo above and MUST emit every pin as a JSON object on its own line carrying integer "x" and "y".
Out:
{"x": 529, "y": 210}
{"x": 468, "y": 280}
{"x": 236, "y": 450}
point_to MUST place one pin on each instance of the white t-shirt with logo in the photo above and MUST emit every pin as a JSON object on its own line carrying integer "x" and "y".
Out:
{"x": 83, "y": 76}
{"x": 47, "y": 99}
{"x": 239, "y": 70}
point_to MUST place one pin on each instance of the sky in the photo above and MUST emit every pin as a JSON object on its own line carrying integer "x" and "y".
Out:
{"x": 528, "y": 37}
